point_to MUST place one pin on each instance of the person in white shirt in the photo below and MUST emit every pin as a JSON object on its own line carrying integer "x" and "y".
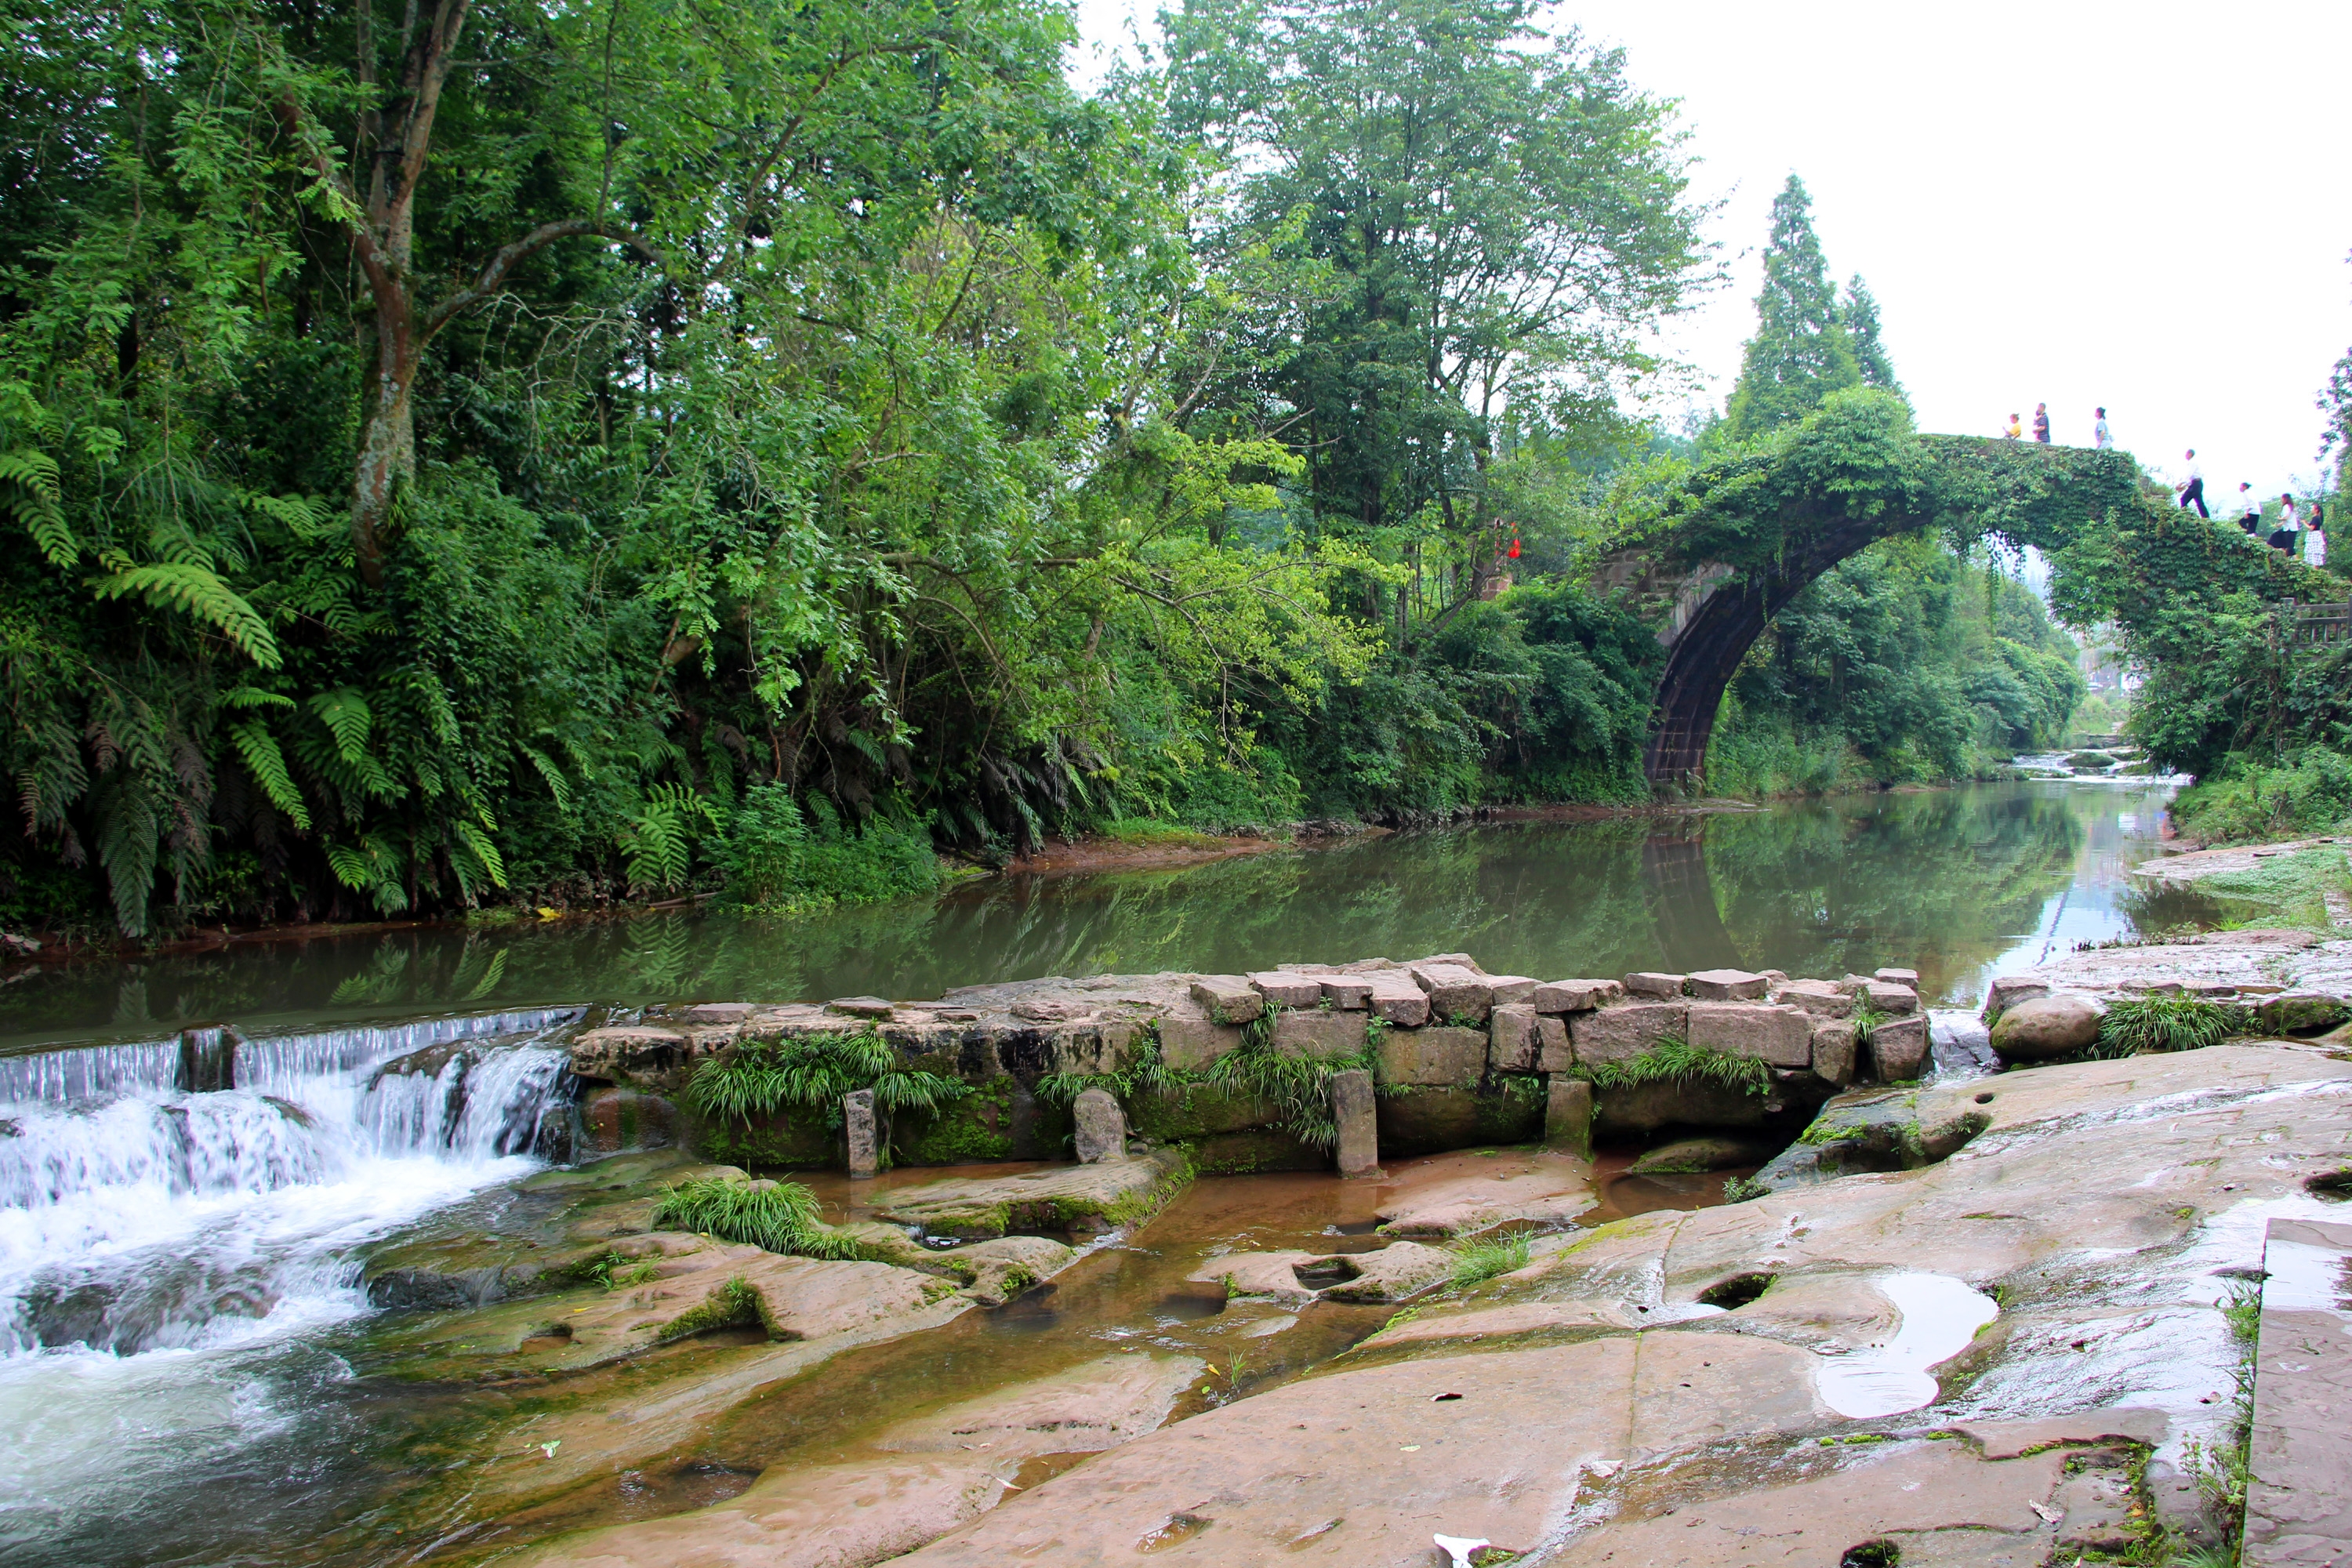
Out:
{"x": 2192, "y": 484}
{"x": 2251, "y": 505}
{"x": 2282, "y": 536}
{"x": 2315, "y": 539}
{"x": 2100, "y": 438}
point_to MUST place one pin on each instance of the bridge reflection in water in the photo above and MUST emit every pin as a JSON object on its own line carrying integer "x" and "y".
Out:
{"x": 1690, "y": 930}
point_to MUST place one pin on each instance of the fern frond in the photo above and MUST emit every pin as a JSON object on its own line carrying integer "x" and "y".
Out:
{"x": 33, "y": 476}
{"x": 249, "y": 697}
{"x": 553, "y": 775}
{"x": 484, "y": 850}
{"x": 266, "y": 763}
{"x": 348, "y": 718}
{"x": 200, "y": 592}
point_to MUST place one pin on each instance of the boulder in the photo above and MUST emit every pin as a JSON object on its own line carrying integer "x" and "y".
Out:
{"x": 1315, "y": 1033}
{"x": 1821, "y": 998}
{"x": 859, "y": 1007}
{"x": 1899, "y": 1047}
{"x": 2041, "y": 1028}
{"x": 1395, "y": 997}
{"x": 1685, "y": 1155}
{"x": 1654, "y": 983}
{"x": 1576, "y": 996}
{"x": 613, "y": 1120}
{"x": 1101, "y": 1127}
{"x": 1898, "y": 977}
{"x": 1567, "y": 1116}
{"x": 1883, "y": 997}
{"x": 645, "y": 1056}
{"x": 1782, "y": 1037}
{"x": 1726, "y": 985}
{"x": 1282, "y": 989}
{"x": 1079, "y": 1199}
{"x": 1457, "y": 994}
{"x": 1617, "y": 1034}
{"x": 1834, "y": 1043}
{"x": 1512, "y": 1043}
{"x": 1228, "y": 998}
{"x": 2300, "y": 1012}
{"x": 2008, "y": 990}
{"x": 1434, "y": 1056}
{"x": 1348, "y": 993}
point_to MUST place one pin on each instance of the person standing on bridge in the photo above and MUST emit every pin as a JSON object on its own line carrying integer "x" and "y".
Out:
{"x": 2315, "y": 539}
{"x": 2282, "y": 536}
{"x": 2192, "y": 484}
{"x": 2101, "y": 437}
{"x": 2013, "y": 432}
{"x": 2251, "y": 505}
{"x": 2042, "y": 422}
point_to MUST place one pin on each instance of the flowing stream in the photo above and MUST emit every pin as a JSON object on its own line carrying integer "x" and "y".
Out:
{"x": 179, "y": 1270}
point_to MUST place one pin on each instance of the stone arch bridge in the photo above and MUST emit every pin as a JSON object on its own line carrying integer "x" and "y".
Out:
{"x": 1740, "y": 540}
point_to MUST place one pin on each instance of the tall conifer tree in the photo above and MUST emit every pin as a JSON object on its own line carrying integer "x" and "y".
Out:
{"x": 1859, "y": 311}
{"x": 1801, "y": 353}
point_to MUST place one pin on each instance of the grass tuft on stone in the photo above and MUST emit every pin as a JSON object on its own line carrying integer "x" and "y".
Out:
{"x": 1298, "y": 1087}
{"x": 780, "y": 1216}
{"x": 2152, "y": 1025}
{"x": 813, "y": 1072}
{"x": 1679, "y": 1061}
{"x": 1476, "y": 1262}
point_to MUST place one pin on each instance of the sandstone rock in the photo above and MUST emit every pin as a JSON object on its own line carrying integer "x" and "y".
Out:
{"x": 1356, "y": 1113}
{"x": 1050, "y": 1010}
{"x": 1726, "y": 985}
{"x": 1909, "y": 977}
{"x": 1709, "y": 1153}
{"x": 1316, "y": 1034}
{"x": 613, "y": 1119}
{"x": 1457, "y": 994}
{"x": 1782, "y": 1037}
{"x": 1821, "y": 998}
{"x": 1617, "y": 1034}
{"x": 1638, "y": 1110}
{"x": 1520, "y": 1319}
{"x": 1437, "y": 1056}
{"x": 859, "y": 1006}
{"x": 640, "y": 1055}
{"x": 2046, "y": 1027}
{"x": 1081, "y": 1199}
{"x": 1512, "y": 1043}
{"x": 862, "y": 1136}
{"x": 1397, "y": 997}
{"x": 1101, "y": 1127}
{"x": 1567, "y": 1115}
{"x": 1898, "y": 1000}
{"x": 1503, "y": 989}
{"x": 1554, "y": 1054}
{"x": 1576, "y": 995}
{"x": 2300, "y": 1012}
{"x": 1348, "y": 993}
{"x": 1189, "y": 1045}
{"x": 1284, "y": 990}
{"x": 1653, "y": 983}
{"x": 2008, "y": 990}
{"x": 1393, "y": 1273}
{"x": 1228, "y": 998}
{"x": 719, "y": 1012}
{"x": 1899, "y": 1048}
{"x": 1465, "y": 1192}
{"x": 1833, "y": 1049}
{"x": 1777, "y": 976}
{"x": 1397, "y": 1272}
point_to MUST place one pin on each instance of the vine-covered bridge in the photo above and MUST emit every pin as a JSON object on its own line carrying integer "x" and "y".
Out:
{"x": 1737, "y": 541}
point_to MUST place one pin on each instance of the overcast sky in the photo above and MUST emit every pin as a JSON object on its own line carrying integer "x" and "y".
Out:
{"x": 2135, "y": 205}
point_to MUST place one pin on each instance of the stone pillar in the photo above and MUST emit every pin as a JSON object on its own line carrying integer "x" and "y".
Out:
{"x": 865, "y": 1134}
{"x": 207, "y": 1061}
{"x": 1102, "y": 1127}
{"x": 1567, "y": 1116}
{"x": 1357, "y": 1114}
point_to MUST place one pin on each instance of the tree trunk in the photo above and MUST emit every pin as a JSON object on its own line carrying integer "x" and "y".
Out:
{"x": 387, "y": 455}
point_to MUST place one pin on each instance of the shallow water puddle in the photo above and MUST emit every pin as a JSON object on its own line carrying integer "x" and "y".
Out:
{"x": 1940, "y": 1315}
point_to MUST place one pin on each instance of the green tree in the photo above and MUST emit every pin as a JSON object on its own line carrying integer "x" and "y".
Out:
{"x": 1801, "y": 350}
{"x": 1859, "y": 313}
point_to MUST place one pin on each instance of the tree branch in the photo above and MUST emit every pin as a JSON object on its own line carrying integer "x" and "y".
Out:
{"x": 494, "y": 273}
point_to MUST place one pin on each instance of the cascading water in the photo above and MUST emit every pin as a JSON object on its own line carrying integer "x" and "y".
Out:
{"x": 152, "y": 1242}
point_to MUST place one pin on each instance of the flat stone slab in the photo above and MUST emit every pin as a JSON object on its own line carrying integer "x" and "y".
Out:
{"x": 1393, "y": 995}
{"x": 1576, "y": 995}
{"x": 1456, "y": 1194}
{"x": 1726, "y": 986}
{"x": 1396, "y": 1272}
{"x": 2299, "y": 1499}
{"x": 1621, "y": 1033}
{"x": 1066, "y": 1199}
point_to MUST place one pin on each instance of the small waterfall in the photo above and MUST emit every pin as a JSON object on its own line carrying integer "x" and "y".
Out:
{"x": 135, "y": 1217}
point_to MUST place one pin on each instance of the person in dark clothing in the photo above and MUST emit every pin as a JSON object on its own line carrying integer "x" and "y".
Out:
{"x": 2283, "y": 537}
{"x": 2042, "y": 422}
{"x": 2192, "y": 484}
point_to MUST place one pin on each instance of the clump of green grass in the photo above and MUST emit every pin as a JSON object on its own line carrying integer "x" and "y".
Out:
{"x": 813, "y": 1072}
{"x": 780, "y": 1216}
{"x": 1476, "y": 1262}
{"x": 1298, "y": 1087}
{"x": 1144, "y": 1074}
{"x": 1679, "y": 1061}
{"x": 2149, "y": 1025}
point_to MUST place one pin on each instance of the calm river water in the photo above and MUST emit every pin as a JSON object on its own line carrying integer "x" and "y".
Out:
{"x": 184, "y": 1347}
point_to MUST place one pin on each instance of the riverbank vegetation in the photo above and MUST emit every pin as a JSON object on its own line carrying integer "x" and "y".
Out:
{"x": 537, "y": 455}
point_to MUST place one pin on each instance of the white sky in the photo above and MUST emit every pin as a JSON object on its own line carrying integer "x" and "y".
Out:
{"x": 2139, "y": 204}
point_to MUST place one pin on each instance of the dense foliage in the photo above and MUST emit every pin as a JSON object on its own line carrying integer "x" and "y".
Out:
{"x": 536, "y": 454}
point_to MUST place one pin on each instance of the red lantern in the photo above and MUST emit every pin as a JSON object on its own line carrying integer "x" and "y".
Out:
{"x": 1515, "y": 550}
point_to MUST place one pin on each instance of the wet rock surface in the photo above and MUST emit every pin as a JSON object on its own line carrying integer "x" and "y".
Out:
{"x": 1080, "y": 1199}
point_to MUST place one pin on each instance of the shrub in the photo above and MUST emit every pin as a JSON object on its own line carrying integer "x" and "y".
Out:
{"x": 778, "y": 858}
{"x": 2312, "y": 792}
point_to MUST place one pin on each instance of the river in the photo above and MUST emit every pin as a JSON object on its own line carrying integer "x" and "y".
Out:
{"x": 180, "y": 1359}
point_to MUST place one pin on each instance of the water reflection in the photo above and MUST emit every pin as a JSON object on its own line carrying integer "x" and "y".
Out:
{"x": 1949, "y": 882}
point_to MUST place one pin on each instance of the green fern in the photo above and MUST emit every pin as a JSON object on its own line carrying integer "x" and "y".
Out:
{"x": 348, "y": 717}
{"x": 33, "y": 495}
{"x": 197, "y": 591}
{"x": 658, "y": 840}
{"x": 266, "y": 763}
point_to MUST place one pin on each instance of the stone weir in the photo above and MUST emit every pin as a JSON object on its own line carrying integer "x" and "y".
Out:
{"x": 1295, "y": 1068}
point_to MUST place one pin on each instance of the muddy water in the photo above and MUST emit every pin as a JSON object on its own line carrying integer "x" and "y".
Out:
{"x": 1949, "y": 882}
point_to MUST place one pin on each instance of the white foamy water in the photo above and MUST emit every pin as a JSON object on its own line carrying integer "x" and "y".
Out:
{"x": 1940, "y": 1315}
